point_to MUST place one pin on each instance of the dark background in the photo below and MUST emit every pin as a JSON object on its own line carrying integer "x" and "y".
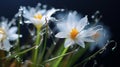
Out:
{"x": 108, "y": 8}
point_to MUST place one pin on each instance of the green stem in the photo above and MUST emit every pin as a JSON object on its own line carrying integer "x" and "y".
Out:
{"x": 49, "y": 51}
{"x": 35, "y": 54}
{"x": 45, "y": 42}
{"x": 20, "y": 53}
{"x": 49, "y": 60}
{"x": 78, "y": 54}
{"x": 18, "y": 40}
{"x": 59, "y": 59}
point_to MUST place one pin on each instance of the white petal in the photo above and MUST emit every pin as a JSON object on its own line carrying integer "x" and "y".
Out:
{"x": 43, "y": 11}
{"x": 38, "y": 22}
{"x": 12, "y": 30}
{"x": 61, "y": 35}
{"x": 80, "y": 42}
{"x": 82, "y": 23}
{"x": 91, "y": 31}
{"x": 50, "y": 12}
{"x": 43, "y": 20}
{"x": 28, "y": 22}
{"x": 88, "y": 39}
{"x": 4, "y": 25}
{"x": 1, "y": 36}
{"x": 68, "y": 42}
{"x": 73, "y": 17}
{"x": 13, "y": 37}
{"x": 61, "y": 26}
{"x": 27, "y": 13}
{"x": 7, "y": 45}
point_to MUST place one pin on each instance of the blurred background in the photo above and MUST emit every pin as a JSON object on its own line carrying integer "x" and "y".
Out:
{"x": 109, "y": 9}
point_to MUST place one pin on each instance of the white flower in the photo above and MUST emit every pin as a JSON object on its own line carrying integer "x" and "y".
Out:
{"x": 38, "y": 16}
{"x": 73, "y": 29}
{"x": 7, "y": 34}
{"x": 101, "y": 38}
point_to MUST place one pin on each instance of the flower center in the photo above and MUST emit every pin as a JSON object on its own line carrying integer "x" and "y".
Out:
{"x": 38, "y": 16}
{"x": 73, "y": 33}
{"x": 2, "y": 34}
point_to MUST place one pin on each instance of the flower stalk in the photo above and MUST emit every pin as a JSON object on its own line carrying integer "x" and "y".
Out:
{"x": 59, "y": 59}
{"x": 35, "y": 52}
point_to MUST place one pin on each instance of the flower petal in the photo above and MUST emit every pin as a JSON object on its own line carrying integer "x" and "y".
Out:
{"x": 82, "y": 23}
{"x": 4, "y": 25}
{"x": 7, "y": 45}
{"x": 50, "y": 12}
{"x": 68, "y": 42}
{"x": 80, "y": 42}
{"x": 91, "y": 31}
{"x": 61, "y": 35}
{"x": 13, "y": 37}
{"x": 88, "y": 39}
{"x": 12, "y": 30}
{"x": 61, "y": 26}
{"x": 27, "y": 21}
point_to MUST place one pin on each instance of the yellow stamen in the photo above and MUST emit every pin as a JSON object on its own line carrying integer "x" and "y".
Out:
{"x": 38, "y": 16}
{"x": 2, "y": 32}
{"x": 73, "y": 33}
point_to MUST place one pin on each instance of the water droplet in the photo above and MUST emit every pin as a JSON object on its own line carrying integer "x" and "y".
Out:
{"x": 76, "y": 49}
{"x": 101, "y": 51}
{"x": 89, "y": 58}
{"x": 18, "y": 58}
{"x": 95, "y": 63}
{"x": 9, "y": 54}
{"x": 39, "y": 4}
{"x": 36, "y": 47}
{"x": 97, "y": 12}
{"x": 44, "y": 6}
{"x": 113, "y": 48}
{"x": 62, "y": 10}
{"x": 20, "y": 36}
{"x": 27, "y": 21}
{"x": 20, "y": 11}
{"x": 92, "y": 16}
{"x": 54, "y": 42}
{"x": 21, "y": 22}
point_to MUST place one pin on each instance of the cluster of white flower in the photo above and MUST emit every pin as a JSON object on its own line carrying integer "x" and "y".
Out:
{"x": 70, "y": 26}
{"x": 75, "y": 29}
